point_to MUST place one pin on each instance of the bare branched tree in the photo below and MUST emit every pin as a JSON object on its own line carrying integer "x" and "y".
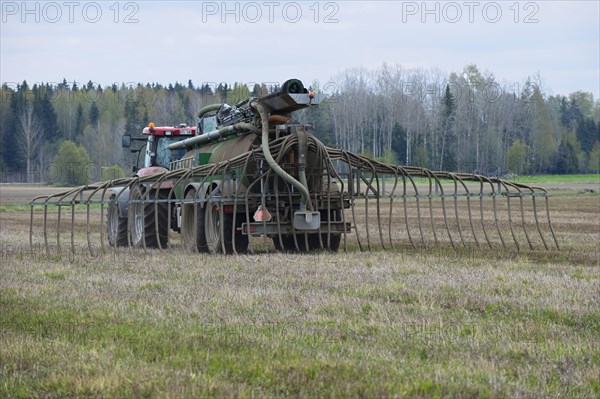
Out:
{"x": 30, "y": 138}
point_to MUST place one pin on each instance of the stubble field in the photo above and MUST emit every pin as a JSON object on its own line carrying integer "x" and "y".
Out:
{"x": 396, "y": 323}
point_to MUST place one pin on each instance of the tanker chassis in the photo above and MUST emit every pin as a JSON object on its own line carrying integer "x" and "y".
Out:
{"x": 253, "y": 171}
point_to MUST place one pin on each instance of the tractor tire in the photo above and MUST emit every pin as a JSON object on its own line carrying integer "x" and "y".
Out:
{"x": 142, "y": 218}
{"x": 216, "y": 241}
{"x": 192, "y": 225}
{"x": 116, "y": 226}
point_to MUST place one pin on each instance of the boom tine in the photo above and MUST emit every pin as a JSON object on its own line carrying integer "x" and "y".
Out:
{"x": 443, "y": 197}
{"x": 352, "y": 198}
{"x": 46, "y": 227}
{"x": 404, "y": 201}
{"x": 510, "y": 222}
{"x": 468, "y": 194}
{"x": 523, "y": 217}
{"x": 549, "y": 222}
{"x": 390, "y": 216}
{"x": 481, "y": 194}
{"x": 369, "y": 188}
{"x": 430, "y": 179}
{"x": 456, "y": 208}
{"x": 494, "y": 207}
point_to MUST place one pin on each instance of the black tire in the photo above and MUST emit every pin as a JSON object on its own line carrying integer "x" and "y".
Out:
{"x": 232, "y": 233}
{"x": 142, "y": 218}
{"x": 116, "y": 226}
{"x": 192, "y": 225}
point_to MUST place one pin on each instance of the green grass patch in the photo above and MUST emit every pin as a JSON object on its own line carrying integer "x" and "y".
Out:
{"x": 538, "y": 179}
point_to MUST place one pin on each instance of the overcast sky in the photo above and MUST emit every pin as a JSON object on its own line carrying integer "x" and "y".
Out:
{"x": 271, "y": 41}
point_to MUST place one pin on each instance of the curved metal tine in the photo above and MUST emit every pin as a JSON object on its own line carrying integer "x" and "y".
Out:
{"x": 391, "y": 195}
{"x": 333, "y": 172}
{"x": 322, "y": 155}
{"x": 235, "y": 195}
{"x": 481, "y": 194}
{"x": 262, "y": 175}
{"x": 135, "y": 180}
{"x": 346, "y": 155}
{"x": 494, "y": 194}
{"x": 368, "y": 184}
{"x": 534, "y": 193}
{"x": 250, "y": 155}
{"x": 181, "y": 177}
{"x": 376, "y": 192}
{"x": 222, "y": 211}
{"x": 73, "y": 202}
{"x": 442, "y": 196}
{"x": 60, "y": 200}
{"x": 196, "y": 200}
{"x": 160, "y": 178}
{"x": 548, "y": 216}
{"x": 102, "y": 186}
{"x": 535, "y": 216}
{"x": 468, "y": 195}
{"x": 510, "y": 223}
{"x": 477, "y": 178}
{"x": 418, "y": 201}
{"x": 378, "y": 203}
{"x": 460, "y": 234}
{"x": 46, "y": 228}
{"x": 31, "y": 227}
{"x": 31, "y": 206}
{"x": 426, "y": 173}
{"x": 72, "y": 252}
{"x": 381, "y": 167}
{"x": 404, "y": 202}
{"x": 516, "y": 186}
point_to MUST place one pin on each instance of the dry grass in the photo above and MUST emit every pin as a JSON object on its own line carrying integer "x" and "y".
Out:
{"x": 406, "y": 322}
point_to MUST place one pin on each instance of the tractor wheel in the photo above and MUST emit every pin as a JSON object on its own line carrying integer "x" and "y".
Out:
{"x": 192, "y": 225}
{"x": 216, "y": 238}
{"x": 117, "y": 226}
{"x": 142, "y": 218}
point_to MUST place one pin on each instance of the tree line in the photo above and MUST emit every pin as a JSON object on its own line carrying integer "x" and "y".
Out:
{"x": 466, "y": 121}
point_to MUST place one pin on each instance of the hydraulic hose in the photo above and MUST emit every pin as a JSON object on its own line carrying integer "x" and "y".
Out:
{"x": 267, "y": 153}
{"x": 208, "y": 108}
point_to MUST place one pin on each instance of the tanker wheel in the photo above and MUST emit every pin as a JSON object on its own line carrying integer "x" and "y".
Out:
{"x": 142, "y": 218}
{"x": 116, "y": 226}
{"x": 192, "y": 225}
{"x": 215, "y": 241}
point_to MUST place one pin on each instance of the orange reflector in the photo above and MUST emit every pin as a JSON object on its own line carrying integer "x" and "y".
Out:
{"x": 262, "y": 214}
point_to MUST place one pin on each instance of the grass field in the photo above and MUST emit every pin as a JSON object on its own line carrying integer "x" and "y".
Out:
{"x": 400, "y": 323}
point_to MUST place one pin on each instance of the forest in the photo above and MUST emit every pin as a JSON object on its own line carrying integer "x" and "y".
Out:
{"x": 467, "y": 121}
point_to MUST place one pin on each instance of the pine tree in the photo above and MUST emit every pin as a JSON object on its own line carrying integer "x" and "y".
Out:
{"x": 448, "y": 143}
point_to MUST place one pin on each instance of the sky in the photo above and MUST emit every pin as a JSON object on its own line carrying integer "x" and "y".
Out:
{"x": 271, "y": 41}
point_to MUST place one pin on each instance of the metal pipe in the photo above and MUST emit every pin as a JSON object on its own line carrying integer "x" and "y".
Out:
{"x": 267, "y": 153}
{"x": 214, "y": 135}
